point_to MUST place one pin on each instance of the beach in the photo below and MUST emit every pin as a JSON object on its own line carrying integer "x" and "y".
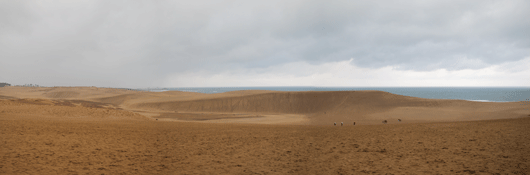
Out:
{"x": 90, "y": 130}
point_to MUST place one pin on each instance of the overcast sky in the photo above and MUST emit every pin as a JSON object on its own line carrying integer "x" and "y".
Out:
{"x": 140, "y": 44}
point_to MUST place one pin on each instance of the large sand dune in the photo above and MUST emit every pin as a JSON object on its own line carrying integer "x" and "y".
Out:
{"x": 314, "y": 107}
{"x": 80, "y": 130}
{"x": 360, "y": 106}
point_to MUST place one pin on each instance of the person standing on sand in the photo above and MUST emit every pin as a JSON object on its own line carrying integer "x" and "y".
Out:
{"x": 353, "y": 123}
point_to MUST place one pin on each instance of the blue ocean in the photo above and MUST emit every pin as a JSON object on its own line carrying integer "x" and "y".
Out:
{"x": 493, "y": 94}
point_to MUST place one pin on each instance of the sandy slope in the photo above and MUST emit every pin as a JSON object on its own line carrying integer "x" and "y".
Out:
{"x": 364, "y": 107}
{"x": 100, "y": 131}
{"x": 315, "y": 108}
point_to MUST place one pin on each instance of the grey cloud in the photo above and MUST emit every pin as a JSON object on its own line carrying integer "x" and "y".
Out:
{"x": 134, "y": 43}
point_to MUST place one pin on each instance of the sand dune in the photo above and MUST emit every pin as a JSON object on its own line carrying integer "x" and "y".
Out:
{"x": 316, "y": 108}
{"x": 43, "y": 109}
{"x": 88, "y": 130}
{"x": 365, "y": 107}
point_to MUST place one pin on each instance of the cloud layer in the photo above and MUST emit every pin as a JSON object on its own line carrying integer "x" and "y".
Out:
{"x": 344, "y": 73}
{"x": 244, "y": 43}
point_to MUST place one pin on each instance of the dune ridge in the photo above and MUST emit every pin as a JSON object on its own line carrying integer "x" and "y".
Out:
{"x": 370, "y": 107}
{"x": 316, "y": 107}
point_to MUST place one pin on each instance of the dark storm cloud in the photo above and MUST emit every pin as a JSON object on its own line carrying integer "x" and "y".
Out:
{"x": 134, "y": 43}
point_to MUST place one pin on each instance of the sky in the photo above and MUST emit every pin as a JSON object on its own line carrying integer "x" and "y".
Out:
{"x": 139, "y": 44}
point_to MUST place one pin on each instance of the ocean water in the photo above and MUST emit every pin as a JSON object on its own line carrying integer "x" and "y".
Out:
{"x": 485, "y": 94}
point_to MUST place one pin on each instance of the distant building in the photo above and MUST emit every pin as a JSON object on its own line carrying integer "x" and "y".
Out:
{"x": 4, "y": 84}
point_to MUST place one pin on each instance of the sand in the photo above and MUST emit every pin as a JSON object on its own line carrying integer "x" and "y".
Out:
{"x": 88, "y": 130}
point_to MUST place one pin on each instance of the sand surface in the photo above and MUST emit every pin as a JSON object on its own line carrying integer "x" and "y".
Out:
{"x": 89, "y": 130}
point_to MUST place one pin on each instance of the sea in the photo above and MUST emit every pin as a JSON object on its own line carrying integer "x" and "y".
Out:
{"x": 481, "y": 94}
